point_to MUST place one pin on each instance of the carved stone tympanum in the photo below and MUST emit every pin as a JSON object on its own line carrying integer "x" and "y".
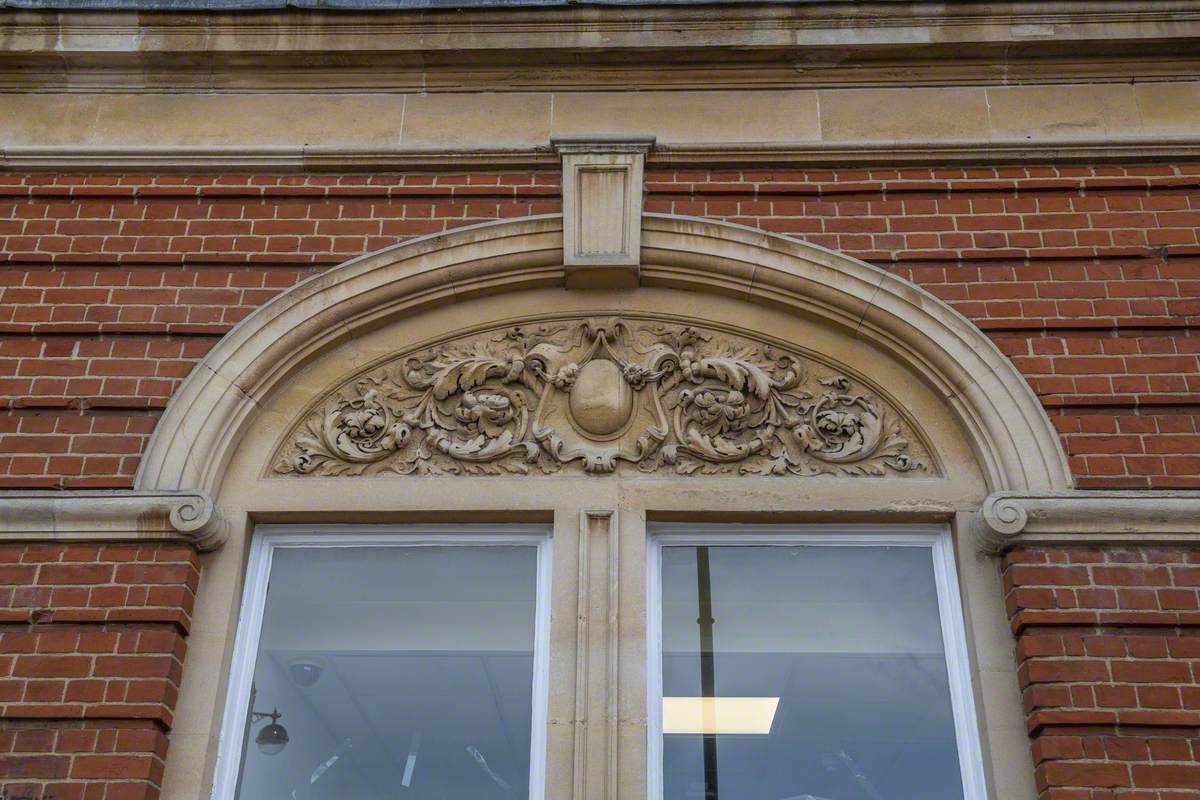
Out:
{"x": 593, "y": 394}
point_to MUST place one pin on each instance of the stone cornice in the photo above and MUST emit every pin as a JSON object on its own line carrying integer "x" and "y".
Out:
{"x": 111, "y": 516}
{"x": 809, "y": 26}
{"x": 1010, "y": 519}
{"x": 800, "y": 154}
{"x": 823, "y": 41}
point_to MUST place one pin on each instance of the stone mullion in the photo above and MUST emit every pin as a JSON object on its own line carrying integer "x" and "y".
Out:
{"x": 598, "y": 682}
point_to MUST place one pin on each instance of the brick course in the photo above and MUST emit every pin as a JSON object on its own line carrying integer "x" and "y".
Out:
{"x": 1108, "y": 646}
{"x": 1087, "y": 277}
{"x": 113, "y": 287}
{"x": 92, "y": 642}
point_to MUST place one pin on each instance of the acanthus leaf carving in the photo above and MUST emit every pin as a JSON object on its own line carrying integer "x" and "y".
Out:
{"x": 596, "y": 393}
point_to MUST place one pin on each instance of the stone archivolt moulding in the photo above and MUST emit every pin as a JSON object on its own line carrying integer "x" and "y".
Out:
{"x": 597, "y": 393}
{"x": 1015, "y": 444}
{"x": 111, "y": 516}
{"x": 1009, "y": 519}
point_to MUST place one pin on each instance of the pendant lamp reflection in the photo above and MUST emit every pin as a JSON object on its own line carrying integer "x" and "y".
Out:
{"x": 274, "y": 737}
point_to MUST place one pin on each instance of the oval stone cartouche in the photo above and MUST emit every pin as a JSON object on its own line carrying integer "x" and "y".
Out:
{"x": 601, "y": 400}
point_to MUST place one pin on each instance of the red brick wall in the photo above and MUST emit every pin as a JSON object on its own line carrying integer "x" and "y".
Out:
{"x": 112, "y": 288}
{"x": 1088, "y": 278}
{"x": 92, "y": 641}
{"x": 1108, "y": 643}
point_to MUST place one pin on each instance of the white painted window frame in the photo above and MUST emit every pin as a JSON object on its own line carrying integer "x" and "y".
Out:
{"x": 269, "y": 538}
{"x": 936, "y": 538}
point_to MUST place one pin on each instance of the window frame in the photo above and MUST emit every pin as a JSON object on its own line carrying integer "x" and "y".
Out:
{"x": 265, "y": 539}
{"x": 954, "y": 638}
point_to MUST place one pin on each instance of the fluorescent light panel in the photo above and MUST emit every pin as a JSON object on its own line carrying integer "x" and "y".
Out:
{"x": 717, "y": 715}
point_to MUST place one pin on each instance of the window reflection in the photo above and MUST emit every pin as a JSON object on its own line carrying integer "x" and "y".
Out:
{"x": 396, "y": 672}
{"x": 804, "y": 673}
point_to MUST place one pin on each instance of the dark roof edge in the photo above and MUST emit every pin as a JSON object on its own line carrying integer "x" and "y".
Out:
{"x": 365, "y": 5}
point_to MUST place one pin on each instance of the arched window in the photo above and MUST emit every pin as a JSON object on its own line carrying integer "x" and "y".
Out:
{"x": 591, "y": 462}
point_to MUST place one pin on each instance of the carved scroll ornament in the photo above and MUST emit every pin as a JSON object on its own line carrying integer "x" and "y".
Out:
{"x": 593, "y": 394}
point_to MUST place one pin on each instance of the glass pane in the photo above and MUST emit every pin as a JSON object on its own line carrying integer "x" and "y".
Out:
{"x": 804, "y": 673}
{"x": 396, "y": 672}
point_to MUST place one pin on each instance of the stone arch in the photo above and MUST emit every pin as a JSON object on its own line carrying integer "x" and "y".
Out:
{"x": 1016, "y": 446}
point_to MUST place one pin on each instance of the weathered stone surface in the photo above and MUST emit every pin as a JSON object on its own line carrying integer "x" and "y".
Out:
{"x": 598, "y": 394}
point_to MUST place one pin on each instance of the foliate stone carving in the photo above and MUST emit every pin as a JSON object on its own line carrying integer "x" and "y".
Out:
{"x": 596, "y": 394}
